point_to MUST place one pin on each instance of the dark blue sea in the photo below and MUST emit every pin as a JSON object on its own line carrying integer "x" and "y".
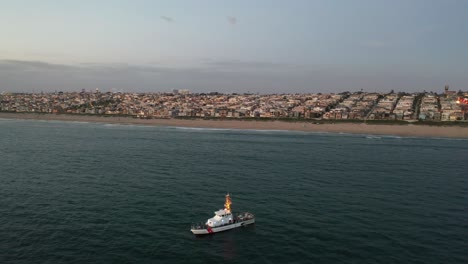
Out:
{"x": 101, "y": 193}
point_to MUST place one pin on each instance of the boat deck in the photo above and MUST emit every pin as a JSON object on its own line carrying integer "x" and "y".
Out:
{"x": 238, "y": 219}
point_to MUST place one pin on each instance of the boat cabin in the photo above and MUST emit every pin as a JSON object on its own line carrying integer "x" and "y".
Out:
{"x": 222, "y": 217}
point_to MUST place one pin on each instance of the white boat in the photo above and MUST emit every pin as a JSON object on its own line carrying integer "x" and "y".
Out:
{"x": 223, "y": 220}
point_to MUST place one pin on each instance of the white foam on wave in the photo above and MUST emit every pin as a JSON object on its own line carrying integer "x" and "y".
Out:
{"x": 271, "y": 130}
{"x": 114, "y": 125}
{"x": 373, "y": 137}
{"x": 242, "y": 130}
{"x": 413, "y": 137}
{"x": 384, "y": 137}
{"x": 201, "y": 128}
{"x": 393, "y": 137}
{"x": 9, "y": 119}
{"x": 364, "y": 135}
{"x": 80, "y": 122}
{"x": 452, "y": 139}
{"x": 422, "y": 138}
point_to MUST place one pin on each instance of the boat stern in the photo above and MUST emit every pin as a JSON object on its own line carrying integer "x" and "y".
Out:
{"x": 199, "y": 231}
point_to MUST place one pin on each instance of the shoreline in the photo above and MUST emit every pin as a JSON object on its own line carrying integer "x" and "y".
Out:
{"x": 351, "y": 128}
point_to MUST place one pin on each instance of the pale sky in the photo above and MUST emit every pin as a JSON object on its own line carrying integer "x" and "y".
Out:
{"x": 233, "y": 46}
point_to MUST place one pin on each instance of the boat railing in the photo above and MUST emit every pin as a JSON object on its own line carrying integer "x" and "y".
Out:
{"x": 199, "y": 226}
{"x": 245, "y": 216}
{"x": 238, "y": 219}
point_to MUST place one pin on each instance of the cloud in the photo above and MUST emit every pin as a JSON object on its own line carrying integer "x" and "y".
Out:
{"x": 212, "y": 75}
{"x": 231, "y": 20}
{"x": 23, "y": 66}
{"x": 167, "y": 19}
{"x": 242, "y": 66}
{"x": 221, "y": 76}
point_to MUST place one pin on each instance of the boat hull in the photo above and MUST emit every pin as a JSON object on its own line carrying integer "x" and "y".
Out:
{"x": 222, "y": 228}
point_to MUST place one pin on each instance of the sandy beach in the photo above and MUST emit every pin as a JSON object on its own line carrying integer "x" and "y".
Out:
{"x": 353, "y": 128}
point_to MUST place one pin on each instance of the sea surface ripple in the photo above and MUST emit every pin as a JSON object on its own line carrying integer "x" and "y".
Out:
{"x": 95, "y": 193}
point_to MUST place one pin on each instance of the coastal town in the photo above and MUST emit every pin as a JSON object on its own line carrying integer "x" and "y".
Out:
{"x": 445, "y": 106}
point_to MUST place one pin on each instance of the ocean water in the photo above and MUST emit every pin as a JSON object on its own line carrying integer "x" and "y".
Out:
{"x": 100, "y": 193}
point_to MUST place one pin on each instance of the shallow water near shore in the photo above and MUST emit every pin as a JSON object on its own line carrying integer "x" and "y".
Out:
{"x": 97, "y": 193}
{"x": 408, "y": 130}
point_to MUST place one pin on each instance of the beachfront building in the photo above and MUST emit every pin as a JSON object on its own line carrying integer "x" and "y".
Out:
{"x": 356, "y": 106}
{"x": 429, "y": 108}
{"x": 345, "y": 106}
{"x": 404, "y": 109}
{"x": 384, "y": 108}
{"x": 450, "y": 109}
